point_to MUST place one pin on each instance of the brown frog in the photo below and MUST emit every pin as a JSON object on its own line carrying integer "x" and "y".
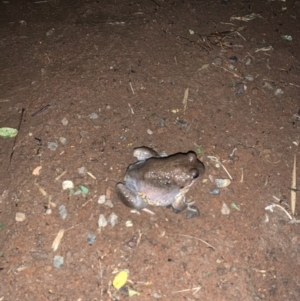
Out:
{"x": 159, "y": 181}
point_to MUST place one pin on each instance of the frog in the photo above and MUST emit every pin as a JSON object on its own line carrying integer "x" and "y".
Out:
{"x": 159, "y": 180}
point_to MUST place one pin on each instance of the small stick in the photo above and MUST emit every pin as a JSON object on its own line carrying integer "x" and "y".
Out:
{"x": 40, "y": 110}
{"x": 215, "y": 159}
{"x": 203, "y": 241}
{"x": 131, "y": 88}
{"x": 15, "y": 141}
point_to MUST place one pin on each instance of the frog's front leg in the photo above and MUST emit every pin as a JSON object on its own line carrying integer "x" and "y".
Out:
{"x": 130, "y": 198}
{"x": 179, "y": 204}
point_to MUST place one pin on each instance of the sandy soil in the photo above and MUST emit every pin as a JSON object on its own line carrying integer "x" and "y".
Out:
{"x": 86, "y": 82}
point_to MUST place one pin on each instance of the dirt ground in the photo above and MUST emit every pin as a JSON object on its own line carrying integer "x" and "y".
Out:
{"x": 86, "y": 82}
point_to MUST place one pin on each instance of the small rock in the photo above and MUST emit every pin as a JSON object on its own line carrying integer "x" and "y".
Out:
{"x": 58, "y": 261}
{"x": 49, "y": 32}
{"x": 64, "y": 121}
{"x": 225, "y": 209}
{"x": 278, "y": 92}
{"x": 48, "y": 211}
{"x": 128, "y": 223}
{"x": 149, "y": 132}
{"x": 67, "y": 185}
{"x": 102, "y": 222}
{"x": 248, "y": 61}
{"x": 52, "y": 146}
{"x": 82, "y": 170}
{"x": 91, "y": 238}
{"x": 182, "y": 123}
{"x": 20, "y": 217}
{"x": 93, "y": 116}
{"x": 240, "y": 89}
{"x": 62, "y": 211}
{"x": 109, "y": 203}
{"x": 233, "y": 59}
{"x": 63, "y": 141}
{"x": 249, "y": 78}
{"x": 156, "y": 295}
{"x": 222, "y": 183}
{"x": 101, "y": 199}
{"x": 215, "y": 191}
{"x": 113, "y": 219}
{"x": 217, "y": 61}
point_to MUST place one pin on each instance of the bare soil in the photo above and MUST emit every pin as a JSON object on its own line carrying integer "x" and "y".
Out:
{"x": 131, "y": 63}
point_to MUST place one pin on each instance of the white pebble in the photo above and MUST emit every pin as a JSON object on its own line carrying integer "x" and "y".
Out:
{"x": 20, "y": 217}
{"x": 113, "y": 219}
{"x": 64, "y": 121}
{"x": 222, "y": 183}
{"x": 67, "y": 185}
{"x": 225, "y": 209}
{"x": 149, "y": 132}
{"x": 128, "y": 223}
{"x": 102, "y": 222}
{"x": 82, "y": 170}
{"x": 101, "y": 199}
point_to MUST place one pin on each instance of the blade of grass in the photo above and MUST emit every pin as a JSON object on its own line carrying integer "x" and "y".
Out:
{"x": 293, "y": 190}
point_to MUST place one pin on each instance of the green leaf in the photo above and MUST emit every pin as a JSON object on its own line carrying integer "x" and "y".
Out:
{"x": 8, "y": 132}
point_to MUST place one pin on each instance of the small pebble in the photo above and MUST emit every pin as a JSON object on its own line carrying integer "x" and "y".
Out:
{"x": 93, "y": 116}
{"x": 109, "y": 203}
{"x": 62, "y": 211}
{"x": 278, "y": 92}
{"x": 91, "y": 238}
{"x": 225, "y": 209}
{"x": 128, "y": 223}
{"x": 249, "y": 78}
{"x": 182, "y": 123}
{"x": 215, "y": 191}
{"x": 149, "y": 132}
{"x": 113, "y": 219}
{"x": 101, "y": 199}
{"x": 52, "y": 146}
{"x": 67, "y": 185}
{"x": 233, "y": 59}
{"x": 217, "y": 61}
{"x": 58, "y": 261}
{"x": 20, "y": 217}
{"x": 64, "y": 121}
{"x": 156, "y": 295}
{"x": 240, "y": 89}
{"x": 82, "y": 170}
{"x": 222, "y": 183}
{"x": 248, "y": 61}
{"x": 50, "y": 32}
{"x": 102, "y": 222}
{"x": 48, "y": 211}
{"x": 63, "y": 141}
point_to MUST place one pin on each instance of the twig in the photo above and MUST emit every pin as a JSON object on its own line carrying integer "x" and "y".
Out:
{"x": 203, "y": 241}
{"x": 215, "y": 159}
{"x": 40, "y": 110}
{"x": 270, "y": 208}
{"x": 131, "y": 88}
{"x": 15, "y": 140}
{"x": 195, "y": 289}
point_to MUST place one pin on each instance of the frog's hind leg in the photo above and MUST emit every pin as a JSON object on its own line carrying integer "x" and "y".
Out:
{"x": 130, "y": 199}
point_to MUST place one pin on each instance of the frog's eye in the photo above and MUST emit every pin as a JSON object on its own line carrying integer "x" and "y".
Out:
{"x": 194, "y": 173}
